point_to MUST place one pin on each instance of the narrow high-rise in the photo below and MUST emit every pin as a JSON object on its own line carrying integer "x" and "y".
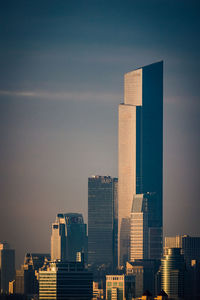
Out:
{"x": 140, "y": 158}
{"x": 102, "y": 221}
{"x": 7, "y": 266}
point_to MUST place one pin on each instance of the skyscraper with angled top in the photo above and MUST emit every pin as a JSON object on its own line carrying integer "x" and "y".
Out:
{"x": 140, "y": 158}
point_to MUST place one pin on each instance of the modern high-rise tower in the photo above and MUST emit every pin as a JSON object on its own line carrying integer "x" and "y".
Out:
{"x": 102, "y": 221}
{"x": 140, "y": 164}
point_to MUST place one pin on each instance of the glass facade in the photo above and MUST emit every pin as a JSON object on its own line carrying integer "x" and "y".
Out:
{"x": 172, "y": 273}
{"x": 149, "y": 141}
{"x": 7, "y": 266}
{"x": 65, "y": 281}
{"x": 102, "y": 223}
{"x": 69, "y": 236}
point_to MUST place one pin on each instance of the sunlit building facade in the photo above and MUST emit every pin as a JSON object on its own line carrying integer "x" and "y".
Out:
{"x": 139, "y": 228}
{"x": 120, "y": 287}
{"x": 140, "y": 152}
{"x": 172, "y": 274}
{"x": 172, "y": 242}
{"x": 65, "y": 280}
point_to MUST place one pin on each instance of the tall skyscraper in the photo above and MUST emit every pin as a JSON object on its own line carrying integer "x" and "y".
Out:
{"x": 140, "y": 152}
{"x": 7, "y": 266}
{"x": 102, "y": 224}
{"x": 69, "y": 236}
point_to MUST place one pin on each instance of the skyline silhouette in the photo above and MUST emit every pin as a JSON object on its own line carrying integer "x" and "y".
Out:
{"x": 62, "y": 67}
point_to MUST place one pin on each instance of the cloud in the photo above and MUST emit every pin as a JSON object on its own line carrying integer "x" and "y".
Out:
{"x": 63, "y": 95}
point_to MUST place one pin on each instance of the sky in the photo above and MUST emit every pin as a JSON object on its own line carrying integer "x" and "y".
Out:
{"x": 61, "y": 79}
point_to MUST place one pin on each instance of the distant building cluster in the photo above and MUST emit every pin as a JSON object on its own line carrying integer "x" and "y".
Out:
{"x": 123, "y": 256}
{"x": 69, "y": 237}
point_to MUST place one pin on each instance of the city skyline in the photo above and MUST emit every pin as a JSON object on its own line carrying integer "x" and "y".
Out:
{"x": 62, "y": 70}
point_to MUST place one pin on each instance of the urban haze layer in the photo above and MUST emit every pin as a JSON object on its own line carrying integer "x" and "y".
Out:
{"x": 124, "y": 255}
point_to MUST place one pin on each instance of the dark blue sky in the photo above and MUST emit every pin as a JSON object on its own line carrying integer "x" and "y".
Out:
{"x": 61, "y": 80}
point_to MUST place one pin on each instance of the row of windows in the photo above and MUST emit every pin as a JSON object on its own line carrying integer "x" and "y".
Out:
{"x": 114, "y": 278}
{"x": 120, "y": 283}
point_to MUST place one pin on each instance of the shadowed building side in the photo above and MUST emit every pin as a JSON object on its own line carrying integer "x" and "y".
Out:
{"x": 7, "y": 266}
{"x": 140, "y": 153}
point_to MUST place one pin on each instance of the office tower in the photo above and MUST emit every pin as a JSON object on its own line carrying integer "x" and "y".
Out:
{"x": 140, "y": 159}
{"x": 145, "y": 275}
{"x": 26, "y": 278}
{"x": 172, "y": 274}
{"x": 139, "y": 228}
{"x": 192, "y": 280}
{"x": 69, "y": 236}
{"x": 65, "y": 280}
{"x": 120, "y": 287}
{"x": 7, "y": 266}
{"x": 25, "y": 281}
{"x": 172, "y": 242}
{"x": 102, "y": 193}
{"x": 190, "y": 246}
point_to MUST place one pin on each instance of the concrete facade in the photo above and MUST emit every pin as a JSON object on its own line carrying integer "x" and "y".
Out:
{"x": 127, "y": 175}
